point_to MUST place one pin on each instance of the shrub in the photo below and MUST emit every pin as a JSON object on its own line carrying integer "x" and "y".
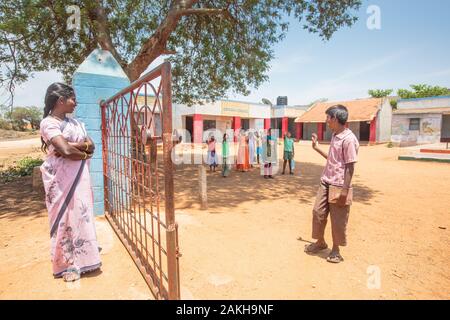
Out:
{"x": 20, "y": 116}
{"x": 5, "y": 125}
{"x": 23, "y": 167}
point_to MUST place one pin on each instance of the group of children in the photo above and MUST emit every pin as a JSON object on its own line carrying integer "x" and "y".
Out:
{"x": 335, "y": 193}
{"x": 253, "y": 148}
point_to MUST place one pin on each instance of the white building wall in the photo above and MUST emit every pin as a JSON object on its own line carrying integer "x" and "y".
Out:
{"x": 355, "y": 128}
{"x": 259, "y": 111}
{"x": 293, "y": 112}
{"x": 384, "y": 122}
{"x": 278, "y": 112}
{"x": 430, "y": 123}
{"x": 289, "y": 112}
{"x": 433, "y": 102}
{"x": 429, "y": 132}
{"x": 177, "y": 119}
{"x": 209, "y": 108}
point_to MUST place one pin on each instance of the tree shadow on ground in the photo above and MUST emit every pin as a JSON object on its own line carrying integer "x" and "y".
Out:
{"x": 18, "y": 199}
{"x": 240, "y": 187}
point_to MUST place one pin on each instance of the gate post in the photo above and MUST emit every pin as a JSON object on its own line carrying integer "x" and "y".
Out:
{"x": 171, "y": 233}
{"x": 97, "y": 78}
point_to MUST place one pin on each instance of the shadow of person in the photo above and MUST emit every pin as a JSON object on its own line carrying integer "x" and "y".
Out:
{"x": 93, "y": 273}
{"x": 321, "y": 254}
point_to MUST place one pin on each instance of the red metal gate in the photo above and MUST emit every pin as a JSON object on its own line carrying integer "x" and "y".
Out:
{"x": 138, "y": 177}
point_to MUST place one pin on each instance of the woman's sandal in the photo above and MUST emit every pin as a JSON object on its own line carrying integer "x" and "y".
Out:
{"x": 335, "y": 258}
{"x": 315, "y": 248}
{"x": 71, "y": 275}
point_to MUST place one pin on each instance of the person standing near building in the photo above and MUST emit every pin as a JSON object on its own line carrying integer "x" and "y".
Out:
{"x": 225, "y": 156}
{"x": 212, "y": 157}
{"x": 269, "y": 154}
{"x": 258, "y": 147}
{"x": 242, "y": 156}
{"x": 251, "y": 148}
{"x": 334, "y": 196}
{"x": 288, "y": 154}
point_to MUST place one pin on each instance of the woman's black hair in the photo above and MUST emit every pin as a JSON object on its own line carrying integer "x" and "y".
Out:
{"x": 54, "y": 92}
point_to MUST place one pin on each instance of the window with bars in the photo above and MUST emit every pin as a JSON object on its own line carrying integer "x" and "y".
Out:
{"x": 414, "y": 124}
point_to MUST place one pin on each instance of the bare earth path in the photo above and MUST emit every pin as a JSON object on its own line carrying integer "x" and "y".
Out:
{"x": 245, "y": 245}
{"x": 25, "y": 269}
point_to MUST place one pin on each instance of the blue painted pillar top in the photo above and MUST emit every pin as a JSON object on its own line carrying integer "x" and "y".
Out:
{"x": 97, "y": 78}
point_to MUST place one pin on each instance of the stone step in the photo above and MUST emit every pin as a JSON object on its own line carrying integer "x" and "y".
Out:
{"x": 433, "y": 157}
{"x": 440, "y": 151}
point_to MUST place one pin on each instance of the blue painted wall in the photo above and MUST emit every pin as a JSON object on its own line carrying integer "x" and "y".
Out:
{"x": 97, "y": 78}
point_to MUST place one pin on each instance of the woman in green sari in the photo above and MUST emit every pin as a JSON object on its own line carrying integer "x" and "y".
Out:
{"x": 225, "y": 156}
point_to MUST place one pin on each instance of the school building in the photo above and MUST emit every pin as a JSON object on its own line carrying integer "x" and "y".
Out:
{"x": 369, "y": 119}
{"x": 421, "y": 121}
{"x": 228, "y": 114}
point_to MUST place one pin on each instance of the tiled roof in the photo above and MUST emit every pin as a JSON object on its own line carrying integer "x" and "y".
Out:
{"x": 358, "y": 110}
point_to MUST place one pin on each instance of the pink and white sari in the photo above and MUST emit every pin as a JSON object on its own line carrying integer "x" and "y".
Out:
{"x": 69, "y": 200}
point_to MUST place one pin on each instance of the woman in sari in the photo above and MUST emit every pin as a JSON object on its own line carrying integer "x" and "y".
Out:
{"x": 69, "y": 197}
{"x": 212, "y": 156}
{"x": 242, "y": 157}
{"x": 269, "y": 154}
{"x": 258, "y": 147}
{"x": 225, "y": 156}
{"x": 251, "y": 148}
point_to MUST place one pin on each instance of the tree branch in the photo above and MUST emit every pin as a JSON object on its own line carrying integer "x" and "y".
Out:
{"x": 156, "y": 44}
{"x": 102, "y": 35}
{"x": 12, "y": 73}
{"x": 208, "y": 11}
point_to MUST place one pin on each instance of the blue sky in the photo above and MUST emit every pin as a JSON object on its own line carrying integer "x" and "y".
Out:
{"x": 413, "y": 46}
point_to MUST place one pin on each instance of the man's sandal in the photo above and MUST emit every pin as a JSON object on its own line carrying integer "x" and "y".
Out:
{"x": 315, "y": 248}
{"x": 335, "y": 258}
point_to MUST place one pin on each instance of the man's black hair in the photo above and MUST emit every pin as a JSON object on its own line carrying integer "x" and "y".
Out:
{"x": 339, "y": 112}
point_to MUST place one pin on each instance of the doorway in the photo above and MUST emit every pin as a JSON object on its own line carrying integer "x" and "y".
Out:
{"x": 364, "y": 131}
{"x": 190, "y": 128}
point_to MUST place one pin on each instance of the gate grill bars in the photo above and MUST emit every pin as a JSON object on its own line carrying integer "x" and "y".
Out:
{"x": 138, "y": 178}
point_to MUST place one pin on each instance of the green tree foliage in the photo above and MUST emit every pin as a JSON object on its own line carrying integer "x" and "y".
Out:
{"x": 380, "y": 93}
{"x": 216, "y": 45}
{"x": 21, "y": 116}
{"x": 393, "y": 104}
{"x": 423, "y": 91}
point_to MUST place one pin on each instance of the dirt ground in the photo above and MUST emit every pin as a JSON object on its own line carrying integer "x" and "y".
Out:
{"x": 244, "y": 246}
{"x": 17, "y": 135}
{"x": 12, "y": 151}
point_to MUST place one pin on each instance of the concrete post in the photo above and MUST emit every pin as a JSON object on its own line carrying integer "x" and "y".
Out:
{"x": 98, "y": 77}
{"x": 202, "y": 187}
